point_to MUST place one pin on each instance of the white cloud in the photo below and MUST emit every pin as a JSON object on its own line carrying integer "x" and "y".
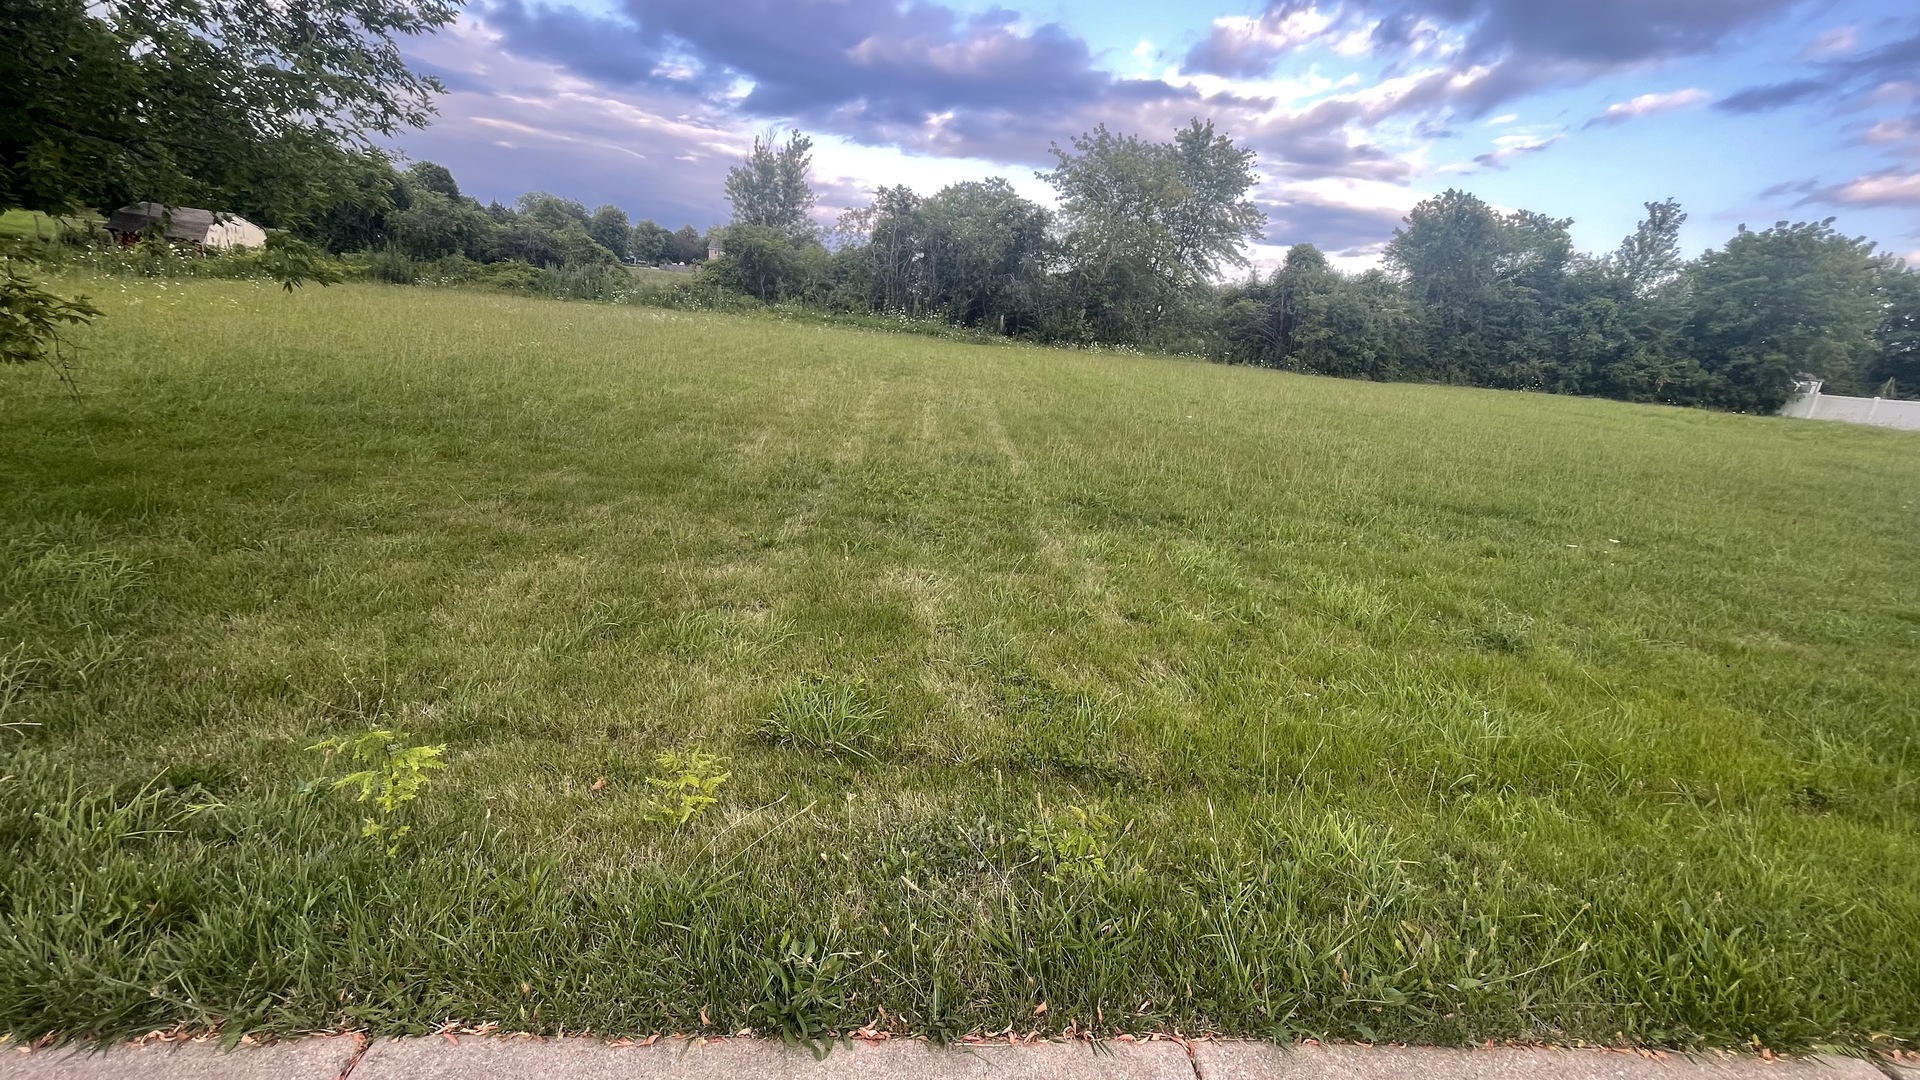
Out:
{"x": 856, "y": 169}
{"x": 1502, "y": 119}
{"x": 1511, "y": 146}
{"x": 1890, "y": 188}
{"x": 1838, "y": 41}
{"x": 1886, "y": 132}
{"x": 1354, "y": 43}
{"x": 1274, "y": 34}
{"x": 1649, "y": 104}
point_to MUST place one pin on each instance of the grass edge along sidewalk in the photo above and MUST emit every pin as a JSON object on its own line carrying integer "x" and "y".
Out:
{"x": 450, "y": 1057}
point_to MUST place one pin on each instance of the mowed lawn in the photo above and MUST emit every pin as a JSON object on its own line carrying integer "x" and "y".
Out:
{"x": 1121, "y": 693}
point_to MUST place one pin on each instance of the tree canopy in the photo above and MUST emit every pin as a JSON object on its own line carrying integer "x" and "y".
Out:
{"x": 770, "y": 188}
{"x": 1144, "y": 222}
{"x": 252, "y": 105}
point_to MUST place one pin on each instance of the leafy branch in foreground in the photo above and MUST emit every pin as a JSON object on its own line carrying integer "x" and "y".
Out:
{"x": 392, "y": 774}
{"x": 292, "y": 262}
{"x": 32, "y": 318}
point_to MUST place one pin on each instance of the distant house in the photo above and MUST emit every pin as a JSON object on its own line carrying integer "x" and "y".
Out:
{"x": 203, "y": 228}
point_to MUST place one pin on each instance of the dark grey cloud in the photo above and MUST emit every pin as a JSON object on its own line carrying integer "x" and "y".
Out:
{"x": 810, "y": 58}
{"x": 510, "y": 126}
{"x": 918, "y": 75}
{"x": 1833, "y": 81}
{"x": 1518, "y": 46}
{"x": 1604, "y": 33}
{"x": 1766, "y": 98}
{"x": 1527, "y": 45}
{"x": 1498, "y": 157}
{"x": 1332, "y": 227}
{"x": 1790, "y": 187}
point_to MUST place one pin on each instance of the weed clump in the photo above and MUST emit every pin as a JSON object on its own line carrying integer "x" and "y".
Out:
{"x": 831, "y": 716}
{"x": 803, "y": 991}
{"x": 1502, "y": 631}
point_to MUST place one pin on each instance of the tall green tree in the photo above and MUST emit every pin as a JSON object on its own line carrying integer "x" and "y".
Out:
{"x": 431, "y": 176}
{"x": 1503, "y": 298}
{"x": 1771, "y": 304}
{"x": 610, "y": 229}
{"x": 896, "y": 242}
{"x": 688, "y": 245}
{"x": 1451, "y": 250}
{"x": 1310, "y": 317}
{"x": 1898, "y": 292}
{"x": 434, "y": 225}
{"x": 1148, "y": 225}
{"x": 770, "y": 189}
{"x": 651, "y": 243}
{"x": 185, "y": 101}
{"x": 357, "y": 215}
{"x": 985, "y": 254}
{"x": 1649, "y": 259}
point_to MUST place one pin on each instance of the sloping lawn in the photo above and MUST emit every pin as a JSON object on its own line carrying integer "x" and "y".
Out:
{"x": 1058, "y": 690}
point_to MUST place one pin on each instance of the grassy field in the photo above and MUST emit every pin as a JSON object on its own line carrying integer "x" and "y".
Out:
{"x": 1059, "y": 690}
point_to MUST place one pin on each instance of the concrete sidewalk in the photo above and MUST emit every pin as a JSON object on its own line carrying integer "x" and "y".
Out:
{"x": 486, "y": 1058}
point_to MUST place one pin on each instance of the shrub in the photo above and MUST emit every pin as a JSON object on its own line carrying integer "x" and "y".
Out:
{"x": 510, "y": 276}
{"x": 392, "y": 266}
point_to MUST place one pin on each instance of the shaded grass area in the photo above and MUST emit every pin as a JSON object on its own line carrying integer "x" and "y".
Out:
{"x": 1162, "y": 694}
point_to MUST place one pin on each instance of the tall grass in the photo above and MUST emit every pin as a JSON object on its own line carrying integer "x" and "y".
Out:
{"x": 1164, "y": 694}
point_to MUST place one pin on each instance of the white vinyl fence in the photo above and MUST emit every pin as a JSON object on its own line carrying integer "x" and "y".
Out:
{"x": 1811, "y": 404}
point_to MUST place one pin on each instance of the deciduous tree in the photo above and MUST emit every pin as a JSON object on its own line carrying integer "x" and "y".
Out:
{"x": 770, "y": 188}
{"x": 1148, "y": 224}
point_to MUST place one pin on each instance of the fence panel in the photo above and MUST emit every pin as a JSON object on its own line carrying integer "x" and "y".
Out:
{"x": 1880, "y": 412}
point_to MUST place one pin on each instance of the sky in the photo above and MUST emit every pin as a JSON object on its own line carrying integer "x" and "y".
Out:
{"x": 1746, "y": 111}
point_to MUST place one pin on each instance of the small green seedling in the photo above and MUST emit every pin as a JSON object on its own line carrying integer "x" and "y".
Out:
{"x": 1076, "y": 842}
{"x": 391, "y": 775}
{"x": 688, "y": 786}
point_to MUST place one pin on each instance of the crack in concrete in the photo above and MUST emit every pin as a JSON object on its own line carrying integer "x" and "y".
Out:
{"x": 361, "y": 1043}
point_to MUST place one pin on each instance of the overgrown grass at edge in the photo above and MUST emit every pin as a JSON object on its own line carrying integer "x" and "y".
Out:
{"x": 1164, "y": 695}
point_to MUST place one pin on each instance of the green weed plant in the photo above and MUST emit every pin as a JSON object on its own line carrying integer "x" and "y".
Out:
{"x": 1073, "y": 842}
{"x": 391, "y": 776}
{"x": 687, "y": 783}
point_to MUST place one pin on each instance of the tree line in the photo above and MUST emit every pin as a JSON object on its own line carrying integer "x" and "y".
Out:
{"x": 1465, "y": 293}
{"x": 1468, "y": 294}
{"x": 420, "y": 213}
